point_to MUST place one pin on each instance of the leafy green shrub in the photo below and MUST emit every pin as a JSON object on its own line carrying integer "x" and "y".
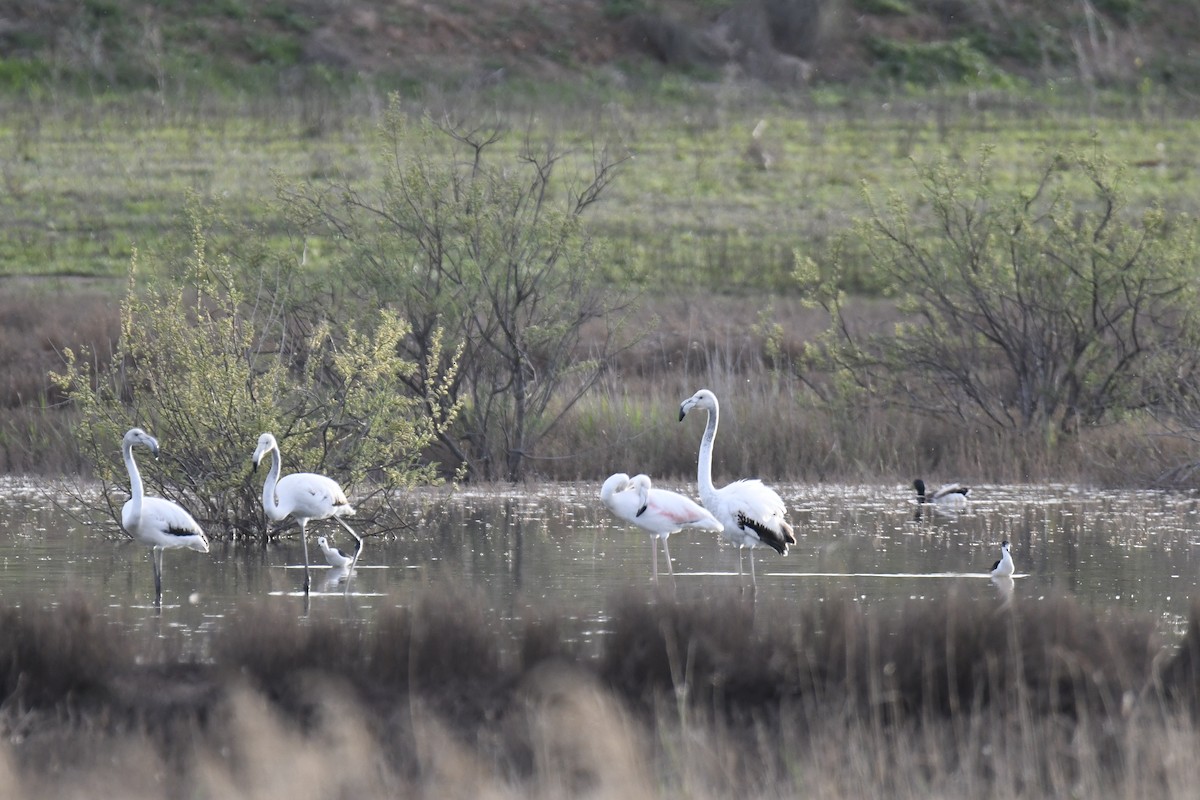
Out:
{"x": 21, "y": 75}
{"x": 930, "y": 63}
{"x": 884, "y": 8}
{"x": 200, "y": 371}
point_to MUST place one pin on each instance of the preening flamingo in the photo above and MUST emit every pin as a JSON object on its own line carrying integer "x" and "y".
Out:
{"x": 751, "y": 513}
{"x": 153, "y": 521}
{"x": 303, "y": 496}
{"x": 657, "y": 511}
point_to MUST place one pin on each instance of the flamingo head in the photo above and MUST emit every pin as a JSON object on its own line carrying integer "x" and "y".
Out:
{"x": 266, "y": 443}
{"x": 701, "y": 399}
{"x": 138, "y": 436}
{"x": 641, "y": 483}
{"x": 616, "y": 482}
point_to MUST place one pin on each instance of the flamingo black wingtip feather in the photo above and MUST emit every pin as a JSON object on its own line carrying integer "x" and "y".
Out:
{"x": 771, "y": 538}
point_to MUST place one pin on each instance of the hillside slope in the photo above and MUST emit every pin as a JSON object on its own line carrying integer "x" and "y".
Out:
{"x": 125, "y": 44}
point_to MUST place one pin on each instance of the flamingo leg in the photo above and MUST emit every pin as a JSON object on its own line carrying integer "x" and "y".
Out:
{"x": 357, "y": 550}
{"x": 667, "y": 553}
{"x": 654, "y": 559}
{"x": 304, "y": 539}
{"x": 753, "y": 578}
{"x": 156, "y": 560}
{"x": 357, "y": 538}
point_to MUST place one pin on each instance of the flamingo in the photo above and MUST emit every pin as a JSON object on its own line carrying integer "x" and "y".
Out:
{"x": 153, "y": 521}
{"x": 951, "y": 496}
{"x": 1004, "y": 568}
{"x": 303, "y": 496}
{"x": 750, "y": 512}
{"x": 656, "y": 511}
{"x": 333, "y": 556}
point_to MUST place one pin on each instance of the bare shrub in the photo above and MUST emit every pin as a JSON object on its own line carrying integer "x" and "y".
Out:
{"x": 1042, "y": 310}
{"x": 491, "y": 251}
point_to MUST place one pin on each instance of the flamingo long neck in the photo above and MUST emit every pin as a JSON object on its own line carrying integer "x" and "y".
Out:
{"x": 704, "y": 479}
{"x": 270, "y": 504}
{"x": 135, "y": 481}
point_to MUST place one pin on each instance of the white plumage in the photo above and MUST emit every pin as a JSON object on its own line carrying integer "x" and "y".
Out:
{"x": 751, "y": 514}
{"x": 303, "y": 496}
{"x": 333, "y": 556}
{"x": 657, "y": 511}
{"x": 153, "y": 521}
{"x": 1004, "y": 568}
{"x": 950, "y": 496}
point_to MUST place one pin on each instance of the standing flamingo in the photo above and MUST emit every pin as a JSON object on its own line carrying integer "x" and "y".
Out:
{"x": 656, "y": 511}
{"x": 302, "y": 495}
{"x": 751, "y": 513}
{"x": 153, "y": 521}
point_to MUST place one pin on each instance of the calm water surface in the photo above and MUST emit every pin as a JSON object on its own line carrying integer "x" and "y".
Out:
{"x": 557, "y": 548}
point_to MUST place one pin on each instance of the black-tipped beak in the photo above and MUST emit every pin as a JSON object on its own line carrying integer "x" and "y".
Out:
{"x": 253, "y": 465}
{"x": 640, "y": 511}
{"x": 682, "y": 414}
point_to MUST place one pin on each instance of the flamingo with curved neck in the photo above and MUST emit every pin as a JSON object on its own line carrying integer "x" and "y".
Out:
{"x": 657, "y": 511}
{"x": 304, "y": 496}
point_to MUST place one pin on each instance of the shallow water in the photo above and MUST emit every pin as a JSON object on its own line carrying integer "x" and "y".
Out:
{"x": 556, "y": 548}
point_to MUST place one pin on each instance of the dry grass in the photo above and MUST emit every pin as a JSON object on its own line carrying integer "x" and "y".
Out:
{"x": 747, "y": 349}
{"x": 36, "y": 323}
{"x": 711, "y": 699}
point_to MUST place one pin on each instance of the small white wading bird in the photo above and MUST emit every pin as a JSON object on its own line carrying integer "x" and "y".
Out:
{"x": 303, "y": 496}
{"x": 153, "y": 521}
{"x": 1004, "y": 568}
{"x": 333, "y": 556}
{"x": 952, "y": 496}
{"x": 656, "y": 511}
{"x": 752, "y": 514}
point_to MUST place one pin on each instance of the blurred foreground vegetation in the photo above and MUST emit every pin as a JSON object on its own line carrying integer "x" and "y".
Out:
{"x": 954, "y": 697}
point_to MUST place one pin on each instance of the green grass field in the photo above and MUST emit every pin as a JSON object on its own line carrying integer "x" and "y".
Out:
{"x": 84, "y": 183}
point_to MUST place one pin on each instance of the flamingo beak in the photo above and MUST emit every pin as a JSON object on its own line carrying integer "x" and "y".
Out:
{"x": 640, "y": 511}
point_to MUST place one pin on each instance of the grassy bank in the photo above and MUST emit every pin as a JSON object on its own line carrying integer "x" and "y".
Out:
{"x": 697, "y": 221}
{"x": 956, "y": 697}
{"x": 773, "y": 423}
{"x": 87, "y": 182}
